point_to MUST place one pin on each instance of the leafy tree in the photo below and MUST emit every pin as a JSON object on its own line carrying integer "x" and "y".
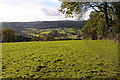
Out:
{"x": 94, "y": 27}
{"x": 48, "y": 37}
{"x": 54, "y": 33}
{"x": 8, "y": 35}
{"x": 115, "y": 29}
{"x": 20, "y": 38}
{"x": 71, "y": 9}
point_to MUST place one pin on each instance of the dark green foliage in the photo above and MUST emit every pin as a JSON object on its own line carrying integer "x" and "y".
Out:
{"x": 115, "y": 29}
{"x": 37, "y": 38}
{"x": 94, "y": 27}
{"x": 48, "y": 37}
{"x": 55, "y": 33}
{"x": 8, "y": 35}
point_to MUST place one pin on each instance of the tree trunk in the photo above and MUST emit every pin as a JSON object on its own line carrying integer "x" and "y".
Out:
{"x": 106, "y": 18}
{"x": 106, "y": 15}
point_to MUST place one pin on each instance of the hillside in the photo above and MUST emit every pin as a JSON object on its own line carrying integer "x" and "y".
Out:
{"x": 19, "y": 26}
{"x": 60, "y": 59}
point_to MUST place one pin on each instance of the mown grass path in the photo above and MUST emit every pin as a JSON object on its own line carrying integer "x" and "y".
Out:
{"x": 60, "y": 59}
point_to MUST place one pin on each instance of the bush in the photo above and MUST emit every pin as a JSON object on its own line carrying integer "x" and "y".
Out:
{"x": 48, "y": 38}
{"x": 8, "y": 35}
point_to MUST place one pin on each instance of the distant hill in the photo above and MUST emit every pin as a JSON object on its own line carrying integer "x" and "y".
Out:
{"x": 18, "y": 26}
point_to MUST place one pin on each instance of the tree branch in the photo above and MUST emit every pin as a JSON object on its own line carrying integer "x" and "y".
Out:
{"x": 94, "y": 8}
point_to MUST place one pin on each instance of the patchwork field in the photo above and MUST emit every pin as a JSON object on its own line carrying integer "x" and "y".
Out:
{"x": 60, "y": 59}
{"x": 61, "y": 33}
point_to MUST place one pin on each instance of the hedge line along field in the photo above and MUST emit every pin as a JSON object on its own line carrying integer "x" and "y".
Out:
{"x": 60, "y": 59}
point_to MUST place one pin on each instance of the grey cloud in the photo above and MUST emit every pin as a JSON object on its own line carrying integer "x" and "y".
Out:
{"x": 50, "y": 12}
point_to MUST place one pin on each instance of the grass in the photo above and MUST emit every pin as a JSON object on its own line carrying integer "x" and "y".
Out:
{"x": 45, "y": 32}
{"x": 73, "y": 36}
{"x": 60, "y": 59}
{"x": 34, "y": 34}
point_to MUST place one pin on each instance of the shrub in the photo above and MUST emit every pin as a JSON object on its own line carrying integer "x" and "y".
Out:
{"x": 8, "y": 35}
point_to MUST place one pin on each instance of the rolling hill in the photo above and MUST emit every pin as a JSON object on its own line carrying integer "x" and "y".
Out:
{"x": 19, "y": 26}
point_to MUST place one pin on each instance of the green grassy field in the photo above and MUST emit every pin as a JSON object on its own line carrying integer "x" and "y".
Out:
{"x": 60, "y": 59}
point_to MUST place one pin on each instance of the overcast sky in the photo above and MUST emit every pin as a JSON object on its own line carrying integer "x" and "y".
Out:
{"x": 31, "y": 10}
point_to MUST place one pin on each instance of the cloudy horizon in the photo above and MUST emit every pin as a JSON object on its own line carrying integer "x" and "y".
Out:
{"x": 32, "y": 10}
